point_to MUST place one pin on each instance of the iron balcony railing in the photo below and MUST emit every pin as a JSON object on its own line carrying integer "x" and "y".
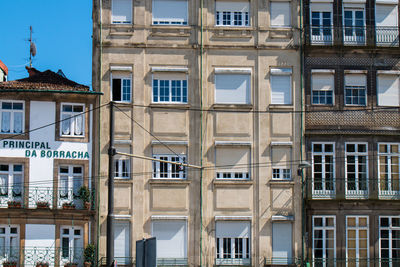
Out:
{"x": 282, "y": 261}
{"x": 353, "y": 35}
{"x": 172, "y": 262}
{"x": 120, "y": 261}
{"x": 232, "y": 262}
{"x": 356, "y": 262}
{"x": 45, "y": 198}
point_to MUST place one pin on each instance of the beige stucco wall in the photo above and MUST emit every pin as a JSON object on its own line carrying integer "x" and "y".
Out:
{"x": 259, "y": 48}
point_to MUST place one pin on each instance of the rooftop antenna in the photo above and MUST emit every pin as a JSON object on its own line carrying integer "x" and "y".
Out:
{"x": 32, "y": 47}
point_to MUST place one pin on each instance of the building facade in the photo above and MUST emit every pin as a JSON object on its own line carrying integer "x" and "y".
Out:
{"x": 214, "y": 84}
{"x": 3, "y": 72}
{"x": 352, "y": 132}
{"x": 47, "y": 187}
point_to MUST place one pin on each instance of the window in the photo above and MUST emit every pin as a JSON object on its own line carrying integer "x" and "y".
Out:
{"x": 282, "y": 243}
{"x": 71, "y": 244}
{"x": 232, "y": 88}
{"x": 170, "y": 88}
{"x": 73, "y": 120}
{"x": 171, "y": 238}
{"x": 357, "y": 241}
{"x": 70, "y": 181}
{"x": 232, "y": 243}
{"x": 323, "y": 85}
{"x": 122, "y": 242}
{"x": 170, "y": 12}
{"x": 355, "y": 89}
{"x": 324, "y": 240}
{"x": 388, "y": 87}
{"x": 323, "y": 169}
{"x": 169, "y": 170}
{"x": 356, "y": 170}
{"x": 232, "y": 13}
{"x": 12, "y": 117}
{"x": 280, "y": 14}
{"x": 121, "y": 11}
{"x": 281, "y": 162}
{"x": 232, "y": 162}
{"x": 321, "y": 23}
{"x": 9, "y": 242}
{"x": 386, "y": 19}
{"x": 122, "y": 163}
{"x": 388, "y": 169}
{"x": 354, "y": 25}
{"x": 121, "y": 89}
{"x": 281, "y": 86}
{"x": 281, "y": 174}
{"x": 11, "y": 182}
{"x": 389, "y": 240}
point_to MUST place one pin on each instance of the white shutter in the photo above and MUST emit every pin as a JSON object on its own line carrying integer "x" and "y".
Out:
{"x": 280, "y": 14}
{"x": 281, "y": 89}
{"x": 321, "y": 7}
{"x": 323, "y": 82}
{"x": 232, "y": 88}
{"x": 231, "y": 6}
{"x": 232, "y": 159}
{"x": 386, "y": 15}
{"x": 388, "y": 90}
{"x": 170, "y": 10}
{"x": 355, "y": 80}
{"x": 122, "y": 242}
{"x": 282, "y": 243}
{"x": 232, "y": 229}
{"x": 121, "y": 11}
{"x": 171, "y": 238}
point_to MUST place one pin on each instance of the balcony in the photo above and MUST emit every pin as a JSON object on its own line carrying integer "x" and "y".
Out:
{"x": 232, "y": 261}
{"x": 46, "y": 198}
{"x": 339, "y": 262}
{"x": 172, "y": 262}
{"x": 121, "y": 261}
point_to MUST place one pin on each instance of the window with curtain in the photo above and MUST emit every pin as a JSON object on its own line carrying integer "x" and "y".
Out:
{"x": 11, "y": 181}
{"x": 121, "y": 12}
{"x": 12, "y": 117}
{"x": 170, "y": 12}
{"x": 281, "y": 86}
{"x": 232, "y": 88}
{"x": 72, "y": 120}
{"x": 9, "y": 242}
{"x": 280, "y": 14}
{"x": 232, "y": 13}
{"x": 71, "y": 244}
{"x": 70, "y": 181}
{"x": 357, "y": 241}
{"x": 388, "y": 87}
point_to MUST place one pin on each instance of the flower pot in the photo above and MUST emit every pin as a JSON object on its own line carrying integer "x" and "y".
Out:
{"x": 71, "y": 265}
{"x": 9, "y": 264}
{"x": 42, "y": 205}
{"x": 42, "y": 264}
{"x": 87, "y": 205}
{"x": 14, "y": 205}
{"x": 87, "y": 264}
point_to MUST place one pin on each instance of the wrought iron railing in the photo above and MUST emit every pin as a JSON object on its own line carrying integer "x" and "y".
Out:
{"x": 357, "y": 262}
{"x": 45, "y": 198}
{"x": 282, "y": 261}
{"x": 172, "y": 262}
{"x": 62, "y": 256}
{"x": 232, "y": 261}
{"x": 124, "y": 261}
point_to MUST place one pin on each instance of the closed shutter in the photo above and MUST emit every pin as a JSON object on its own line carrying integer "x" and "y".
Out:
{"x": 232, "y": 6}
{"x": 171, "y": 238}
{"x": 388, "y": 90}
{"x": 232, "y": 229}
{"x": 281, "y": 87}
{"x": 281, "y": 157}
{"x": 233, "y": 159}
{"x": 323, "y": 82}
{"x": 122, "y": 11}
{"x": 282, "y": 243}
{"x": 232, "y": 88}
{"x": 386, "y": 15}
{"x": 122, "y": 242}
{"x": 321, "y": 7}
{"x": 280, "y": 14}
{"x": 170, "y": 10}
{"x": 355, "y": 80}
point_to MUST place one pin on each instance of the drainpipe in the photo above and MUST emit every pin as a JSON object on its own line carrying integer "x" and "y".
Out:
{"x": 201, "y": 130}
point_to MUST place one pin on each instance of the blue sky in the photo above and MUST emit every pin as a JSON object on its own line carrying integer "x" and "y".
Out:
{"x": 62, "y": 31}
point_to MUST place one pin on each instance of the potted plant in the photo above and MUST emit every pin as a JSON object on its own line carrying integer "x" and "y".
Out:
{"x": 88, "y": 255}
{"x": 42, "y": 204}
{"x": 84, "y": 195}
{"x": 14, "y": 204}
{"x": 68, "y": 206}
{"x": 71, "y": 264}
{"x": 42, "y": 264}
{"x": 10, "y": 264}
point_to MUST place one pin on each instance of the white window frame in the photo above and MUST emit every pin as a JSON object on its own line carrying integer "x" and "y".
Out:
{"x": 324, "y": 228}
{"x": 237, "y": 257}
{"x": 9, "y": 252}
{"x": 324, "y": 193}
{"x": 75, "y": 253}
{"x": 122, "y": 168}
{"x": 352, "y": 88}
{"x": 354, "y": 39}
{"x": 322, "y": 38}
{"x": 10, "y": 189}
{"x": 72, "y": 118}
{"x": 171, "y": 21}
{"x": 357, "y": 192}
{"x": 124, "y": 78}
{"x": 183, "y": 90}
{"x": 281, "y": 72}
{"x": 290, "y": 14}
{"x": 170, "y": 174}
{"x": 390, "y": 261}
{"x": 233, "y": 20}
{"x": 390, "y": 193}
{"x": 323, "y": 72}
{"x": 70, "y": 194}
{"x": 281, "y": 174}
{"x": 117, "y": 21}
{"x": 11, "y": 125}
{"x": 357, "y": 229}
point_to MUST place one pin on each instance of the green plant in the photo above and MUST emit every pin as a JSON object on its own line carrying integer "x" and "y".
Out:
{"x": 9, "y": 263}
{"x": 89, "y": 253}
{"x": 84, "y": 193}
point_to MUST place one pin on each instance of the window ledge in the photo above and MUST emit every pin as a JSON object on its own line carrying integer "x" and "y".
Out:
{"x": 168, "y": 181}
{"x": 169, "y": 105}
{"x": 232, "y": 106}
{"x": 24, "y": 136}
{"x": 232, "y": 32}
{"x": 281, "y": 182}
{"x": 121, "y": 29}
{"x": 170, "y": 31}
{"x": 280, "y": 106}
{"x": 221, "y": 182}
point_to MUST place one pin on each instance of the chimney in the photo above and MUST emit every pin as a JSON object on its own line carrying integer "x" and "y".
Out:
{"x": 32, "y": 71}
